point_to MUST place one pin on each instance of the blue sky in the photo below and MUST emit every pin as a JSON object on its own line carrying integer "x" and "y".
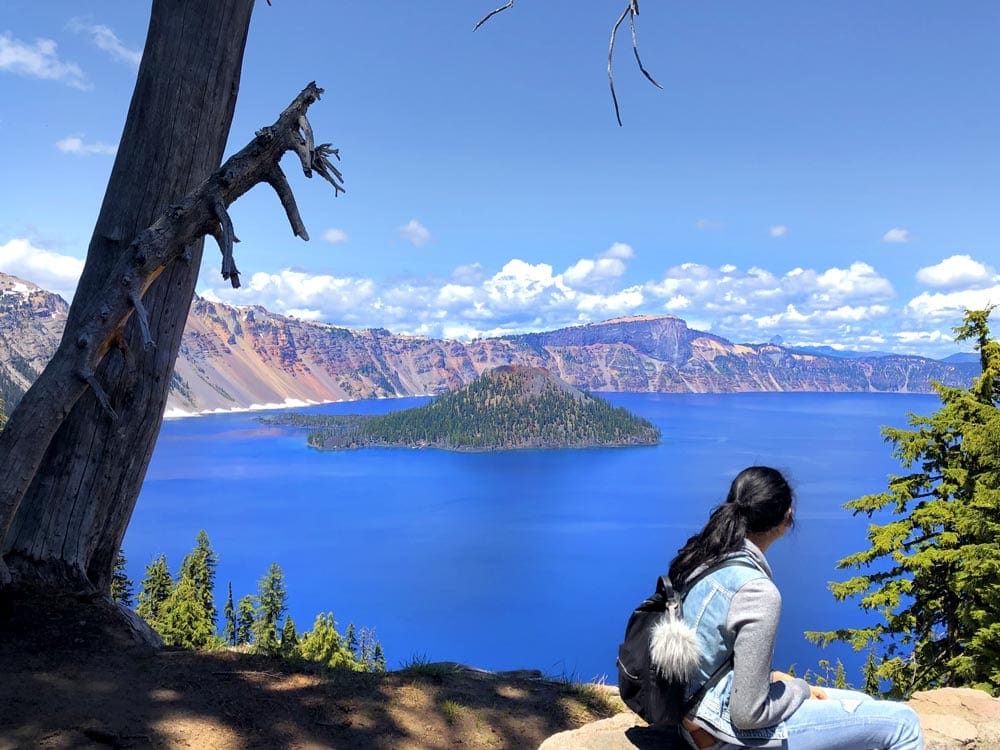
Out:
{"x": 826, "y": 173}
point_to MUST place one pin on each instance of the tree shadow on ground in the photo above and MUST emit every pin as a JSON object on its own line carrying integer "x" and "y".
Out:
{"x": 69, "y": 683}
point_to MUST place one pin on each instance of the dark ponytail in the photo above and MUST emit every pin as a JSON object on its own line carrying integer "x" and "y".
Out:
{"x": 759, "y": 500}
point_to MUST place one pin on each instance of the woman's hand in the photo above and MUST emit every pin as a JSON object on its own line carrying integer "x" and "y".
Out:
{"x": 776, "y": 675}
{"x": 818, "y": 694}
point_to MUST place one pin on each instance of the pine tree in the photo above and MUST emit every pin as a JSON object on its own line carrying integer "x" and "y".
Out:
{"x": 3, "y": 414}
{"x": 182, "y": 620}
{"x": 121, "y": 584}
{"x": 934, "y": 559}
{"x": 245, "y": 618}
{"x": 229, "y": 616}
{"x": 324, "y": 644}
{"x": 199, "y": 565}
{"x": 840, "y": 676}
{"x": 378, "y": 659}
{"x": 271, "y": 605}
{"x": 289, "y": 639}
{"x": 351, "y": 640}
{"x": 156, "y": 587}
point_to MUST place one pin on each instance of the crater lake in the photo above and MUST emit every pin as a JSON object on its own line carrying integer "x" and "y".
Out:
{"x": 516, "y": 559}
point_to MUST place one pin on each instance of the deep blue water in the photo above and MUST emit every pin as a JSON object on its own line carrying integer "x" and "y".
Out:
{"x": 516, "y": 559}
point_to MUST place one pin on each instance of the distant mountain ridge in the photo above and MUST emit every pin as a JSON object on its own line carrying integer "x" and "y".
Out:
{"x": 235, "y": 357}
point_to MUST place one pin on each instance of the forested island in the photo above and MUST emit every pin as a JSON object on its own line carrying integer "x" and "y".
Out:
{"x": 506, "y": 408}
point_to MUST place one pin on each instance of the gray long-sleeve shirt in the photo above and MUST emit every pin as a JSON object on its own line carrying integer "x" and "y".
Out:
{"x": 754, "y": 611}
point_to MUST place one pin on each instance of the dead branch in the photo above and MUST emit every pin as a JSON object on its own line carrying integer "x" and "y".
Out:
{"x": 635, "y": 46}
{"x": 204, "y": 211}
{"x": 492, "y": 13}
{"x": 630, "y": 12}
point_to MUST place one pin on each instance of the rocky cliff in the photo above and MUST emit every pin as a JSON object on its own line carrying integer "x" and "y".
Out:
{"x": 234, "y": 357}
{"x": 31, "y": 323}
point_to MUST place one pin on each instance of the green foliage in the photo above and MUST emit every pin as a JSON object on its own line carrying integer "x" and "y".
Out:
{"x": 419, "y": 666}
{"x": 180, "y": 614}
{"x": 156, "y": 587}
{"x": 324, "y": 644}
{"x": 199, "y": 565}
{"x": 229, "y": 618}
{"x": 511, "y": 407}
{"x": 289, "y": 639}
{"x": 3, "y": 414}
{"x": 451, "y": 711}
{"x": 121, "y": 584}
{"x": 246, "y": 610}
{"x": 828, "y": 675}
{"x": 182, "y": 619}
{"x": 377, "y": 663}
{"x": 271, "y": 605}
{"x": 932, "y": 572}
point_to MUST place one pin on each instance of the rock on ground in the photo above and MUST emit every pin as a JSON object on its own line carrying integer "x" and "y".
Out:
{"x": 952, "y": 718}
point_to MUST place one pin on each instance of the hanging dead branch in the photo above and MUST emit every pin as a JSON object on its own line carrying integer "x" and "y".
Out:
{"x": 202, "y": 212}
{"x": 630, "y": 12}
{"x": 492, "y": 13}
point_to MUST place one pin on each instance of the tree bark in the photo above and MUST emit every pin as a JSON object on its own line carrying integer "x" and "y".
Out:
{"x": 67, "y": 526}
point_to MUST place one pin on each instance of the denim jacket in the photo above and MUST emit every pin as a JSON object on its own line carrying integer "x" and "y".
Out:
{"x": 706, "y": 608}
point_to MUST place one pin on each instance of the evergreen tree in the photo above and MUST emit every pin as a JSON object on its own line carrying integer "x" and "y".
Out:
{"x": 351, "y": 640}
{"x": 182, "y": 619}
{"x": 324, "y": 644}
{"x": 229, "y": 616}
{"x": 378, "y": 659}
{"x": 934, "y": 560}
{"x": 199, "y": 565}
{"x": 840, "y": 676}
{"x": 3, "y": 414}
{"x": 245, "y": 618}
{"x": 156, "y": 587}
{"x": 121, "y": 584}
{"x": 271, "y": 605}
{"x": 289, "y": 639}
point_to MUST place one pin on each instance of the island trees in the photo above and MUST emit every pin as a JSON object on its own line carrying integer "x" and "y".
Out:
{"x": 74, "y": 452}
{"x": 932, "y": 572}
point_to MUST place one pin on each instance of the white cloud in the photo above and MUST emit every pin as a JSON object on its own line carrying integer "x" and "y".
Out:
{"x": 958, "y": 271}
{"x": 950, "y": 306}
{"x": 588, "y": 273}
{"x": 335, "y": 236}
{"x": 49, "y": 270}
{"x": 304, "y": 314}
{"x": 778, "y": 230}
{"x": 707, "y": 224}
{"x": 75, "y": 144}
{"x": 619, "y": 250}
{"x": 897, "y": 234}
{"x": 105, "y": 39}
{"x": 415, "y": 233}
{"x": 922, "y": 337}
{"x": 39, "y": 60}
{"x": 851, "y": 306}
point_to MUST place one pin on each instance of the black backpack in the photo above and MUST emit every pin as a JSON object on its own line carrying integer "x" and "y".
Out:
{"x": 658, "y": 697}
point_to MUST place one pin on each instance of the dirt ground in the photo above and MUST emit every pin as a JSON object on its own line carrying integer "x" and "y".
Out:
{"x": 92, "y": 690}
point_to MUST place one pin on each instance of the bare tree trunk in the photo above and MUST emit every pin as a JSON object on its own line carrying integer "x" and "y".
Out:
{"x": 66, "y": 528}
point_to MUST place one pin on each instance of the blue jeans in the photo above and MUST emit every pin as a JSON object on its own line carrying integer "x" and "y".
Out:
{"x": 849, "y": 721}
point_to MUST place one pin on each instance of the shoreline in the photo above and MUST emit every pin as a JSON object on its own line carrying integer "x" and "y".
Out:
{"x": 288, "y": 403}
